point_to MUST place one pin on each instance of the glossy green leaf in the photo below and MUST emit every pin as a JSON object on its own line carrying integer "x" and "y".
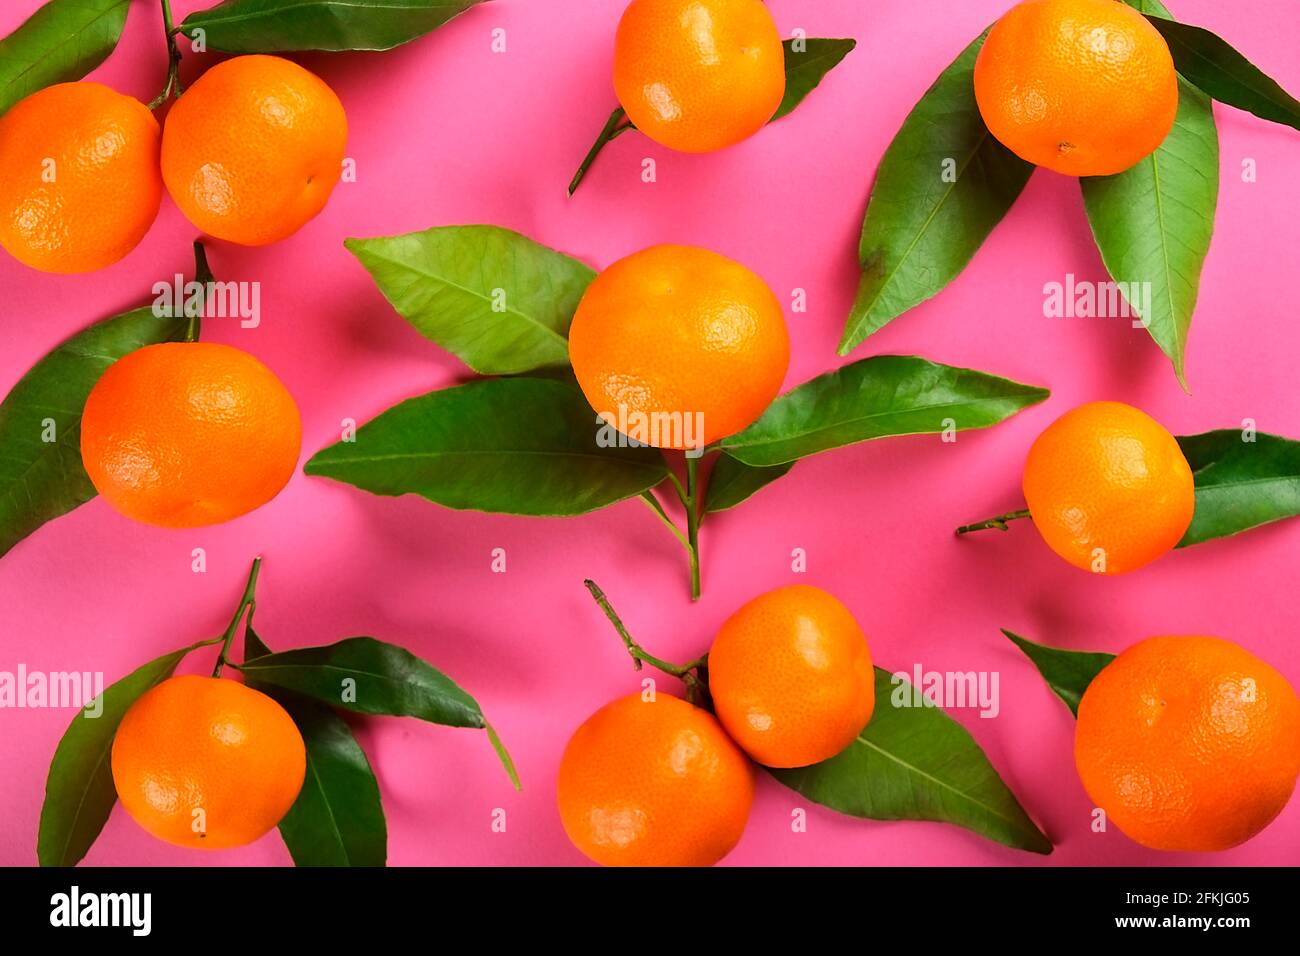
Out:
{"x": 516, "y": 446}
{"x": 62, "y": 41}
{"x": 41, "y": 476}
{"x": 942, "y": 186}
{"x": 915, "y": 762}
{"x": 1068, "y": 673}
{"x": 79, "y": 792}
{"x": 497, "y": 300}
{"x": 878, "y": 397}
{"x": 732, "y": 481}
{"x": 272, "y": 26}
{"x": 338, "y": 818}
{"x": 1152, "y": 223}
{"x": 1240, "y": 484}
{"x": 1220, "y": 71}
{"x": 805, "y": 68}
{"x": 370, "y": 677}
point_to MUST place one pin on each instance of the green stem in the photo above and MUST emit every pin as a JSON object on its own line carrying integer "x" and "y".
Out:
{"x": 246, "y": 603}
{"x": 649, "y": 498}
{"x": 616, "y": 124}
{"x": 203, "y": 275}
{"x": 173, "y": 59}
{"x": 692, "y": 503}
{"x": 687, "y": 673}
{"x": 999, "y": 523}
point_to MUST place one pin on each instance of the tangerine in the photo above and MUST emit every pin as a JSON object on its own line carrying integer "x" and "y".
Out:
{"x": 208, "y": 763}
{"x": 81, "y": 185}
{"x": 653, "y": 783}
{"x": 184, "y": 434}
{"x": 791, "y": 677}
{"x": 252, "y": 151}
{"x": 1108, "y": 488}
{"x": 1188, "y": 743}
{"x": 1083, "y": 87}
{"x": 679, "y": 346}
{"x": 698, "y": 75}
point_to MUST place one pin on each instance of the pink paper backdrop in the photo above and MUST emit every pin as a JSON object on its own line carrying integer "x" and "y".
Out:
{"x": 445, "y": 131}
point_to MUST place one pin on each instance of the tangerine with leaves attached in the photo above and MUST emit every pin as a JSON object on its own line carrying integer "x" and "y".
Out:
{"x": 1082, "y": 87}
{"x": 698, "y": 75}
{"x": 1108, "y": 488}
{"x": 207, "y": 763}
{"x": 1188, "y": 743}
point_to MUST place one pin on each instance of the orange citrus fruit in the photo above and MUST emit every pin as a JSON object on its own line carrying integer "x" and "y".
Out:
{"x": 791, "y": 677}
{"x": 80, "y": 184}
{"x": 1108, "y": 488}
{"x": 189, "y": 433}
{"x": 679, "y": 346}
{"x": 208, "y": 763}
{"x": 653, "y": 783}
{"x": 253, "y": 149}
{"x": 698, "y": 75}
{"x": 1084, "y": 87}
{"x": 1188, "y": 743}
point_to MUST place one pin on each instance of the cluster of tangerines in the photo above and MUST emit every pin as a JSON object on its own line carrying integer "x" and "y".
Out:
{"x": 175, "y": 434}
{"x": 1186, "y": 743}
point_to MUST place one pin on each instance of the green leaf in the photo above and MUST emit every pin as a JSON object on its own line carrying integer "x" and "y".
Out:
{"x": 804, "y": 70}
{"x": 79, "y": 792}
{"x": 914, "y": 762}
{"x": 1068, "y": 673}
{"x": 497, "y": 300}
{"x": 877, "y": 397}
{"x": 41, "y": 480}
{"x": 370, "y": 677}
{"x": 62, "y": 41}
{"x": 273, "y": 26}
{"x": 1220, "y": 71}
{"x": 338, "y": 818}
{"x": 503, "y": 755}
{"x": 514, "y": 446}
{"x": 1240, "y": 484}
{"x": 732, "y": 481}
{"x": 921, "y": 229}
{"x": 1152, "y": 223}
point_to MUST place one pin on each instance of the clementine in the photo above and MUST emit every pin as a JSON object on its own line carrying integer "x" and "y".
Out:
{"x": 189, "y": 434}
{"x": 80, "y": 186}
{"x": 791, "y": 677}
{"x": 1108, "y": 488}
{"x": 208, "y": 763}
{"x": 1188, "y": 743}
{"x": 679, "y": 346}
{"x": 253, "y": 149}
{"x": 653, "y": 783}
{"x": 1083, "y": 87}
{"x": 698, "y": 75}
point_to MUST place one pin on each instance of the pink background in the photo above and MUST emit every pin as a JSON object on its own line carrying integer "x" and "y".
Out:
{"x": 444, "y": 131}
